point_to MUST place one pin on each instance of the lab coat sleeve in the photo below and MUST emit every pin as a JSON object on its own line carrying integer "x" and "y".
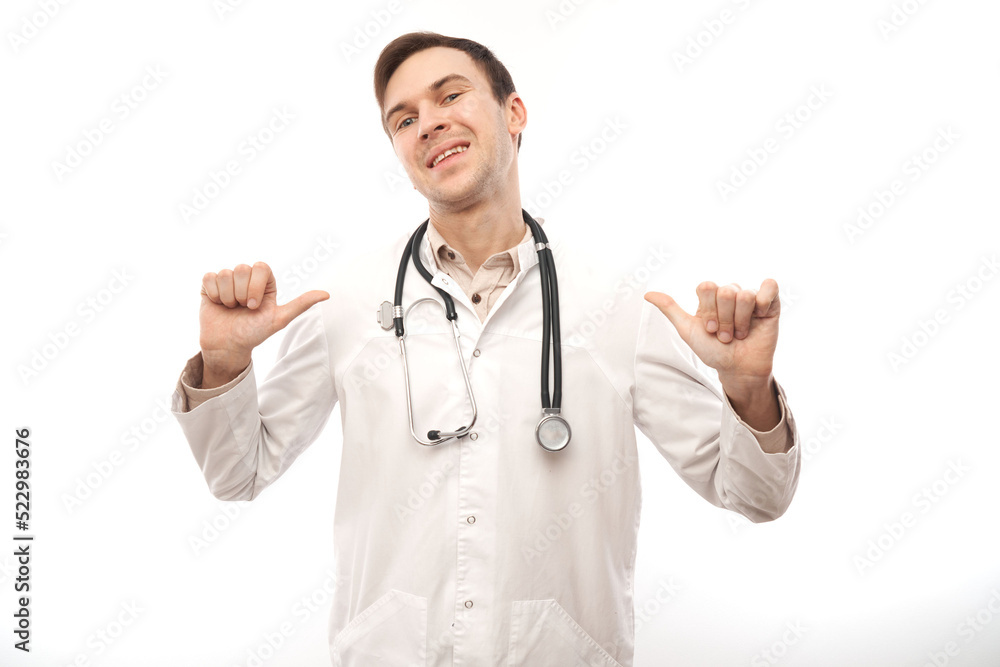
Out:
{"x": 679, "y": 404}
{"x": 244, "y": 438}
{"x": 189, "y": 384}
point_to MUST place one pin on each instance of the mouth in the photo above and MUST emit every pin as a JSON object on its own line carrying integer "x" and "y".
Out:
{"x": 447, "y": 156}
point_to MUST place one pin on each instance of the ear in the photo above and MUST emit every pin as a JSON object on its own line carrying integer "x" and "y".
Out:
{"x": 515, "y": 114}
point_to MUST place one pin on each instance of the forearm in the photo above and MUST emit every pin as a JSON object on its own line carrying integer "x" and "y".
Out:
{"x": 755, "y": 401}
{"x": 220, "y": 370}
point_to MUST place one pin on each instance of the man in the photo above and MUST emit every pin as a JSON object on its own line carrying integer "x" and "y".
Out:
{"x": 488, "y": 549}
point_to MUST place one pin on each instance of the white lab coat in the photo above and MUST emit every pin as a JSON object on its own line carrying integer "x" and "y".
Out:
{"x": 487, "y": 551}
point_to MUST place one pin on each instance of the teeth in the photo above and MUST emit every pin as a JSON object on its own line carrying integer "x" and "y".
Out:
{"x": 456, "y": 149}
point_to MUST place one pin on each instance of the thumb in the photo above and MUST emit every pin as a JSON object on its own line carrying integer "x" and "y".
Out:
{"x": 677, "y": 316}
{"x": 299, "y": 305}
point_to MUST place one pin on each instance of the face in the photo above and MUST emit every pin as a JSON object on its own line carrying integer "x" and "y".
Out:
{"x": 438, "y": 99}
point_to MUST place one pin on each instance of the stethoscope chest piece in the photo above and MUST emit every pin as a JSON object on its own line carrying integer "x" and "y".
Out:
{"x": 553, "y": 431}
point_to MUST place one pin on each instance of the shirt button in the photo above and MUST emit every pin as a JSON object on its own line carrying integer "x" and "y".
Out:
{"x": 451, "y": 255}
{"x": 468, "y": 604}
{"x": 471, "y": 519}
{"x": 476, "y": 298}
{"x": 476, "y": 352}
{"x": 473, "y": 436}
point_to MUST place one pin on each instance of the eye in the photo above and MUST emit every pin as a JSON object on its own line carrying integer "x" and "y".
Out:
{"x": 404, "y": 123}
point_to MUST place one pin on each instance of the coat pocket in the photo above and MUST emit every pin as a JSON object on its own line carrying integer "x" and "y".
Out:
{"x": 391, "y": 631}
{"x": 543, "y": 633}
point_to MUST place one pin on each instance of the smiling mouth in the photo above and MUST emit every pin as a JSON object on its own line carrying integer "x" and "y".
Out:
{"x": 448, "y": 153}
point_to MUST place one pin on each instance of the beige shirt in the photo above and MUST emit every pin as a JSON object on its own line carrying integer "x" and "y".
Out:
{"x": 486, "y": 286}
{"x": 483, "y": 288}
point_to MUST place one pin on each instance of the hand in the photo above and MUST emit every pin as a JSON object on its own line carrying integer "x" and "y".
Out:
{"x": 735, "y": 331}
{"x": 239, "y": 311}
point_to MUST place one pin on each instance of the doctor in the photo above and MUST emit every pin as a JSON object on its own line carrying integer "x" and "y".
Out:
{"x": 486, "y": 549}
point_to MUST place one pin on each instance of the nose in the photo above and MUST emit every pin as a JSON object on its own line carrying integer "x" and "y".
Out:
{"x": 432, "y": 122}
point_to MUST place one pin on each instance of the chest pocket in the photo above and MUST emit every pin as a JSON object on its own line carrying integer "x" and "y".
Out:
{"x": 543, "y": 633}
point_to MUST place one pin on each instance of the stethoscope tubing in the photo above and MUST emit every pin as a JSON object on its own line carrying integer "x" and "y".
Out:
{"x": 550, "y": 327}
{"x": 550, "y": 314}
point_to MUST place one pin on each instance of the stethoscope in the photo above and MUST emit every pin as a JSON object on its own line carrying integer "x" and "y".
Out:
{"x": 552, "y": 432}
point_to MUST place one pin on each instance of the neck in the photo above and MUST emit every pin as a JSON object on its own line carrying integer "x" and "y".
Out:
{"x": 481, "y": 230}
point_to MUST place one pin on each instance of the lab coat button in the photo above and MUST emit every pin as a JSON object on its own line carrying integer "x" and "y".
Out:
{"x": 468, "y": 604}
{"x": 471, "y": 519}
{"x": 476, "y": 352}
{"x": 473, "y": 436}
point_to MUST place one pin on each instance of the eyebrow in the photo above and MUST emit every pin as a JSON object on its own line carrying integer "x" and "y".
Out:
{"x": 437, "y": 85}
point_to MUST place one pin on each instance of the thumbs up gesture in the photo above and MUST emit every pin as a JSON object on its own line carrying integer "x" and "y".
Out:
{"x": 239, "y": 311}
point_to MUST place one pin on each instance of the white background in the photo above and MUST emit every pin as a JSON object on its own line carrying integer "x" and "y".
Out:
{"x": 712, "y": 589}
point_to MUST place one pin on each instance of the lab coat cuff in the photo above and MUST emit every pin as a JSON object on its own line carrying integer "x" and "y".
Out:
{"x": 772, "y": 475}
{"x": 191, "y": 394}
{"x": 775, "y": 441}
{"x": 218, "y": 431}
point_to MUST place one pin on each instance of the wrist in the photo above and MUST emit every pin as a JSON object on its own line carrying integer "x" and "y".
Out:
{"x": 746, "y": 387}
{"x": 755, "y": 401}
{"x": 220, "y": 369}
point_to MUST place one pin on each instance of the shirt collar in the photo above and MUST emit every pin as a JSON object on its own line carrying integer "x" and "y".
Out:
{"x": 435, "y": 248}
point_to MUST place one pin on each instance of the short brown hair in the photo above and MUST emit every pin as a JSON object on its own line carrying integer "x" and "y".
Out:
{"x": 404, "y": 46}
